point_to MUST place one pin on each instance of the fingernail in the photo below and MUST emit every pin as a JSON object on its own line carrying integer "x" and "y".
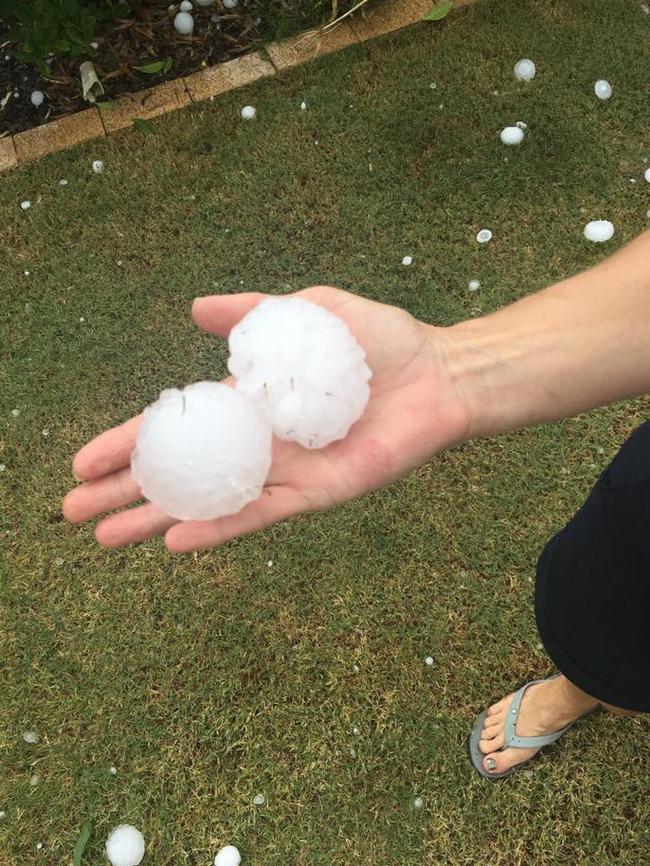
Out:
{"x": 491, "y": 764}
{"x": 77, "y": 477}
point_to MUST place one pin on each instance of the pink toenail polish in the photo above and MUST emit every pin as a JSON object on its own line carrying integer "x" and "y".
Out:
{"x": 491, "y": 764}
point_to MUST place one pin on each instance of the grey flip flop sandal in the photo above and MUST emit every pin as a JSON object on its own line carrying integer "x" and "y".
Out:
{"x": 511, "y": 740}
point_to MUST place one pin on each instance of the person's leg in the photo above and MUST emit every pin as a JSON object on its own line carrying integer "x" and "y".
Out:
{"x": 545, "y": 708}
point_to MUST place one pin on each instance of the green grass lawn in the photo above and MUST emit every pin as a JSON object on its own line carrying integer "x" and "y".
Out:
{"x": 208, "y": 678}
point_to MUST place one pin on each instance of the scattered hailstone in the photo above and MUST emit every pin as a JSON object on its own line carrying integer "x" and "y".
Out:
{"x": 418, "y": 803}
{"x": 39, "y": 845}
{"x": 184, "y": 23}
{"x": 37, "y": 98}
{"x": 58, "y": 561}
{"x": 94, "y": 45}
{"x": 63, "y": 181}
{"x": 356, "y": 669}
{"x": 230, "y": 4}
{"x": 203, "y": 452}
{"x": 484, "y": 236}
{"x": 474, "y": 285}
{"x": 603, "y": 89}
{"x": 407, "y": 260}
{"x": 15, "y": 412}
{"x": 259, "y": 800}
{"x": 25, "y": 205}
{"x": 112, "y": 771}
{"x": 248, "y": 112}
{"x": 269, "y": 563}
{"x": 2, "y": 467}
{"x": 98, "y": 166}
{"x": 302, "y": 366}
{"x": 428, "y": 661}
{"x": 599, "y": 231}
{"x": 186, "y": 6}
{"x": 303, "y": 106}
{"x": 228, "y": 856}
{"x": 125, "y": 846}
{"x": 524, "y": 70}
{"x": 353, "y": 752}
{"x": 512, "y": 135}
{"x": 521, "y": 124}
{"x": 31, "y": 737}
{"x": 34, "y": 780}
{"x": 647, "y": 174}
{"x": 3, "y": 814}
{"x": 355, "y": 731}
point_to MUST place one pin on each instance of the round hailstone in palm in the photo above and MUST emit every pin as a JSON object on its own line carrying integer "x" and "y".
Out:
{"x": 37, "y": 98}
{"x": 512, "y": 135}
{"x": 248, "y": 112}
{"x": 228, "y": 856}
{"x": 603, "y": 89}
{"x": 524, "y": 70}
{"x": 599, "y": 231}
{"x": 484, "y": 236}
{"x": 125, "y": 846}
{"x": 184, "y": 23}
{"x": 203, "y": 452}
{"x": 303, "y": 366}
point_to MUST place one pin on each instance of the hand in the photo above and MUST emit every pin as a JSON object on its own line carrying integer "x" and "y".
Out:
{"x": 415, "y": 410}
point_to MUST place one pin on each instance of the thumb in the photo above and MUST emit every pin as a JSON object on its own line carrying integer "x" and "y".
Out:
{"x": 218, "y": 314}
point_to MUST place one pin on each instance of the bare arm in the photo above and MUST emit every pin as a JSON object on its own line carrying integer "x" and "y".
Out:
{"x": 579, "y": 344}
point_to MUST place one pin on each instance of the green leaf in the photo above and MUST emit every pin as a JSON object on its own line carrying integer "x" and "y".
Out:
{"x": 156, "y": 67}
{"x": 144, "y": 126}
{"x": 105, "y": 106}
{"x": 84, "y": 836}
{"x": 439, "y": 12}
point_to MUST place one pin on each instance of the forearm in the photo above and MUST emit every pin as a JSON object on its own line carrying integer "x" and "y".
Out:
{"x": 582, "y": 343}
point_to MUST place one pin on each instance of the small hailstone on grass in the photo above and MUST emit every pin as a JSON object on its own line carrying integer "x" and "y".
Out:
{"x": 356, "y": 668}
{"x": 353, "y": 752}
{"x": 228, "y": 856}
{"x": 184, "y": 23}
{"x": 203, "y": 452}
{"x": 98, "y": 166}
{"x": 34, "y": 780}
{"x": 3, "y": 814}
{"x": 125, "y": 846}
{"x": 603, "y": 89}
{"x": 26, "y": 273}
{"x": 31, "y": 737}
{"x": 248, "y": 112}
{"x": 63, "y": 182}
{"x": 58, "y": 561}
{"x": 39, "y": 845}
{"x": 355, "y": 731}
{"x": 303, "y": 106}
{"x": 45, "y": 432}
{"x": 15, "y": 412}
{"x": 259, "y": 800}
{"x": 428, "y": 661}
{"x": 186, "y": 6}
{"x": 302, "y": 366}
{"x": 474, "y": 285}
{"x": 2, "y": 467}
{"x": 484, "y": 236}
{"x": 418, "y": 803}
{"x": 112, "y": 771}
{"x": 521, "y": 124}
{"x": 25, "y": 205}
{"x": 647, "y": 174}
{"x": 599, "y": 231}
{"x": 269, "y": 563}
{"x": 94, "y": 45}
{"x": 512, "y": 135}
{"x": 37, "y": 98}
{"x": 407, "y": 260}
{"x": 230, "y": 4}
{"x": 524, "y": 70}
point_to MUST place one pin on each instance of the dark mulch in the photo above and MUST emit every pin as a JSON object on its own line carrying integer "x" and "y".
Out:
{"x": 144, "y": 35}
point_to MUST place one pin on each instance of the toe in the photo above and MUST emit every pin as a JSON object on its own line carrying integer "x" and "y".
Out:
{"x": 499, "y": 762}
{"x": 491, "y": 745}
{"x": 491, "y": 730}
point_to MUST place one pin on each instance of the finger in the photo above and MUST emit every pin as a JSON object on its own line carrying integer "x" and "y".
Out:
{"x": 275, "y": 504}
{"x": 108, "y": 452}
{"x": 218, "y": 314}
{"x": 105, "y": 494}
{"x": 136, "y": 524}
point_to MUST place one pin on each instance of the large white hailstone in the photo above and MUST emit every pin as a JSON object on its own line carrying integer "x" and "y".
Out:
{"x": 524, "y": 70}
{"x": 484, "y": 236}
{"x": 184, "y": 23}
{"x": 599, "y": 231}
{"x": 37, "y": 97}
{"x": 512, "y": 135}
{"x": 303, "y": 366}
{"x": 603, "y": 89}
{"x": 228, "y": 856}
{"x": 125, "y": 846}
{"x": 248, "y": 112}
{"x": 203, "y": 452}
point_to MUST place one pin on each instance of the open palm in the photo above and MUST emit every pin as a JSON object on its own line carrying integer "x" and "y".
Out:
{"x": 414, "y": 411}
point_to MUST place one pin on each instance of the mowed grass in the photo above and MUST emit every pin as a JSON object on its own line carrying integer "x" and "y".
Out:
{"x": 206, "y": 679}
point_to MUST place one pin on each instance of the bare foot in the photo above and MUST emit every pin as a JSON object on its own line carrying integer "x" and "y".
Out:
{"x": 546, "y": 707}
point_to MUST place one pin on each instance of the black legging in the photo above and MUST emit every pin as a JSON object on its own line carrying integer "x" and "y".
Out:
{"x": 592, "y": 599}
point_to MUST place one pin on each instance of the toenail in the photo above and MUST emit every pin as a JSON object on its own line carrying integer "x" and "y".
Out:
{"x": 491, "y": 764}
